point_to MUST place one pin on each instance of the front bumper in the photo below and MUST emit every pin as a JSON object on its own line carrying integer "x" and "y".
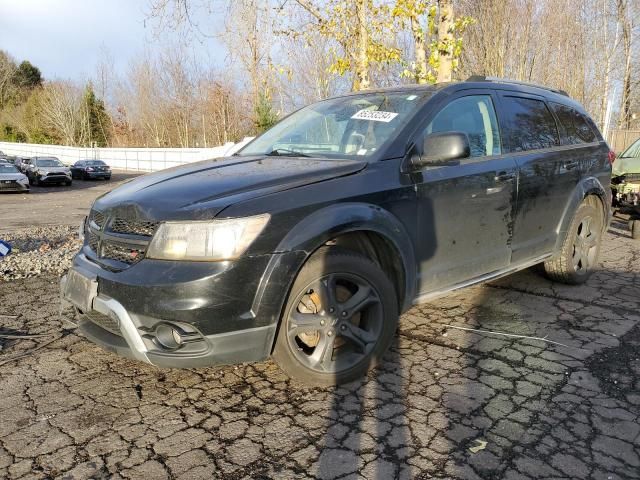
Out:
{"x": 54, "y": 178}
{"x": 105, "y": 175}
{"x": 222, "y": 308}
{"x": 13, "y": 186}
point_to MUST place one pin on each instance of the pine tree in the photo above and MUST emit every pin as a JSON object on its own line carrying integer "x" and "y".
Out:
{"x": 266, "y": 116}
{"x": 97, "y": 118}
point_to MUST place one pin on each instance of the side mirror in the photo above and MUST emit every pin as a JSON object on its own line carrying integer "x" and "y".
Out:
{"x": 441, "y": 149}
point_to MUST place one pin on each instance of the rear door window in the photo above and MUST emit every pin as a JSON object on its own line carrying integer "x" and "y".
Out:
{"x": 475, "y": 116}
{"x": 529, "y": 124}
{"x": 573, "y": 125}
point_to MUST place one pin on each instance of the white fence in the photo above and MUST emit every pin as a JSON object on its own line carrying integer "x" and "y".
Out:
{"x": 133, "y": 159}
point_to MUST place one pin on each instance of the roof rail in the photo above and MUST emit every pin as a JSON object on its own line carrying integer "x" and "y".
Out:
{"x": 483, "y": 78}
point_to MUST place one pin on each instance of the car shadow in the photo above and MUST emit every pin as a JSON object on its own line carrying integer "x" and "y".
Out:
{"x": 483, "y": 383}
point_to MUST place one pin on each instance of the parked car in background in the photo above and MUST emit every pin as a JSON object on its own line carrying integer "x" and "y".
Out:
{"x": 309, "y": 242}
{"x": 42, "y": 170}
{"x": 625, "y": 183}
{"x": 12, "y": 180}
{"x": 22, "y": 163}
{"x": 90, "y": 169}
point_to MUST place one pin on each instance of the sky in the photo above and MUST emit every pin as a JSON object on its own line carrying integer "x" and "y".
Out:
{"x": 66, "y": 39}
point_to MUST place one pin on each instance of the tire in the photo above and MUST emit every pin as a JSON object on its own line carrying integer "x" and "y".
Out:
{"x": 68, "y": 183}
{"x": 578, "y": 256}
{"x": 635, "y": 229}
{"x": 344, "y": 341}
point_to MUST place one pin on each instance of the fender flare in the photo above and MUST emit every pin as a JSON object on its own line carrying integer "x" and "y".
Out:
{"x": 321, "y": 226}
{"x": 588, "y": 186}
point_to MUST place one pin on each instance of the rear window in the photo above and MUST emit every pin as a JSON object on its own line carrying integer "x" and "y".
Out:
{"x": 573, "y": 125}
{"x": 529, "y": 125}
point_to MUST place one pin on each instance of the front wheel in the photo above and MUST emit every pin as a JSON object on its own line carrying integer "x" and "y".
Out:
{"x": 340, "y": 318}
{"x": 578, "y": 256}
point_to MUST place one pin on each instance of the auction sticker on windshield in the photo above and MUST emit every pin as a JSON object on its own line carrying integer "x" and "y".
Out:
{"x": 375, "y": 115}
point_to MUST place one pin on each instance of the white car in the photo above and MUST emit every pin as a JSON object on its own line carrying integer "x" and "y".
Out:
{"x": 12, "y": 180}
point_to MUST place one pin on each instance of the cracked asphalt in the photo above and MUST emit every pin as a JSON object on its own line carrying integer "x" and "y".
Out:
{"x": 446, "y": 402}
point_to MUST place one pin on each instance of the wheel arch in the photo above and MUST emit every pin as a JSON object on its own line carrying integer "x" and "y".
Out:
{"x": 588, "y": 187}
{"x": 362, "y": 227}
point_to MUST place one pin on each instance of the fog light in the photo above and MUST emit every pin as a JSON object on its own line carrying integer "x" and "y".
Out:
{"x": 168, "y": 337}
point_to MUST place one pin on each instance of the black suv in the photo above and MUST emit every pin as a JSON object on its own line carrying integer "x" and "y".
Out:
{"x": 308, "y": 243}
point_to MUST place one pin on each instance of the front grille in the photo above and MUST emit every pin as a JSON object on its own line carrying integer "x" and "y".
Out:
{"x": 92, "y": 240}
{"x": 121, "y": 253}
{"x": 120, "y": 249}
{"x": 133, "y": 227}
{"x": 8, "y": 185}
{"x": 97, "y": 218}
{"x": 110, "y": 324}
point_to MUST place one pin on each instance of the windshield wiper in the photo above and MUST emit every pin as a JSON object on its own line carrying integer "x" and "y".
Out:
{"x": 285, "y": 152}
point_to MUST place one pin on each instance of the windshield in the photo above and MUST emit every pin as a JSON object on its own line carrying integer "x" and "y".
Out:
{"x": 49, "y": 162}
{"x": 354, "y": 126}
{"x": 95, "y": 163}
{"x": 6, "y": 168}
{"x": 633, "y": 151}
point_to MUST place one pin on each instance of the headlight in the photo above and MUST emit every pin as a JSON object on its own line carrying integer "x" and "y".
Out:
{"x": 214, "y": 240}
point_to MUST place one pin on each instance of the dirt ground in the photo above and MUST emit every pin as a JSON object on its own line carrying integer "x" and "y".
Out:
{"x": 54, "y": 204}
{"x": 447, "y": 402}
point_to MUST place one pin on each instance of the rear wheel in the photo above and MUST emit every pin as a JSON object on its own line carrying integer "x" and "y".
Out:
{"x": 340, "y": 318}
{"x": 580, "y": 250}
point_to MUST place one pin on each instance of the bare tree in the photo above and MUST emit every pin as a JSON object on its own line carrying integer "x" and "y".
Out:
{"x": 61, "y": 111}
{"x": 627, "y": 24}
{"x": 7, "y": 72}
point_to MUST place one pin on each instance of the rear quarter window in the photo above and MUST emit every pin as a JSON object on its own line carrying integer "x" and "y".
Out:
{"x": 574, "y": 125}
{"x": 529, "y": 124}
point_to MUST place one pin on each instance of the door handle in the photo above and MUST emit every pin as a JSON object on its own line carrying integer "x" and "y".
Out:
{"x": 504, "y": 176}
{"x": 571, "y": 165}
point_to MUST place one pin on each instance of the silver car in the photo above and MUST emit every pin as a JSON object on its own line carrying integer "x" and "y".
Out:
{"x": 11, "y": 180}
{"x": 41, "y": 170}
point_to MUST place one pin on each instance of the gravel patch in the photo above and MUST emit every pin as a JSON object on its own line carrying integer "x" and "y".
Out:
{"x": 38, "y": 250}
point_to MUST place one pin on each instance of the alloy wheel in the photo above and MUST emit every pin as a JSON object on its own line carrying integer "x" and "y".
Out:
{"x": 335, "y": 323}
{"x": 585, "y": 245}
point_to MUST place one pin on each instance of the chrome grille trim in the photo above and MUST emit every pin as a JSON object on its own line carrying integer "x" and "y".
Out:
{"x": 118, "y": 239}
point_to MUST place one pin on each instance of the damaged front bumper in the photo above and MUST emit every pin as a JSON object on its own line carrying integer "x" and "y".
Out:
{"x": 177, "y": 314}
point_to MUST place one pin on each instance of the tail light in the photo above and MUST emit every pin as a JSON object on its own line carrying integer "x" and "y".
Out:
{"x": 612, "y": 156}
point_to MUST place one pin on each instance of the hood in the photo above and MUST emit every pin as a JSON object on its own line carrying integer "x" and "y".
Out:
{"x": 12, "y": 176}
{"x": 201, "y": 190}
{"x": 626, "y": 166}
{"x": 53, "y": 169}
